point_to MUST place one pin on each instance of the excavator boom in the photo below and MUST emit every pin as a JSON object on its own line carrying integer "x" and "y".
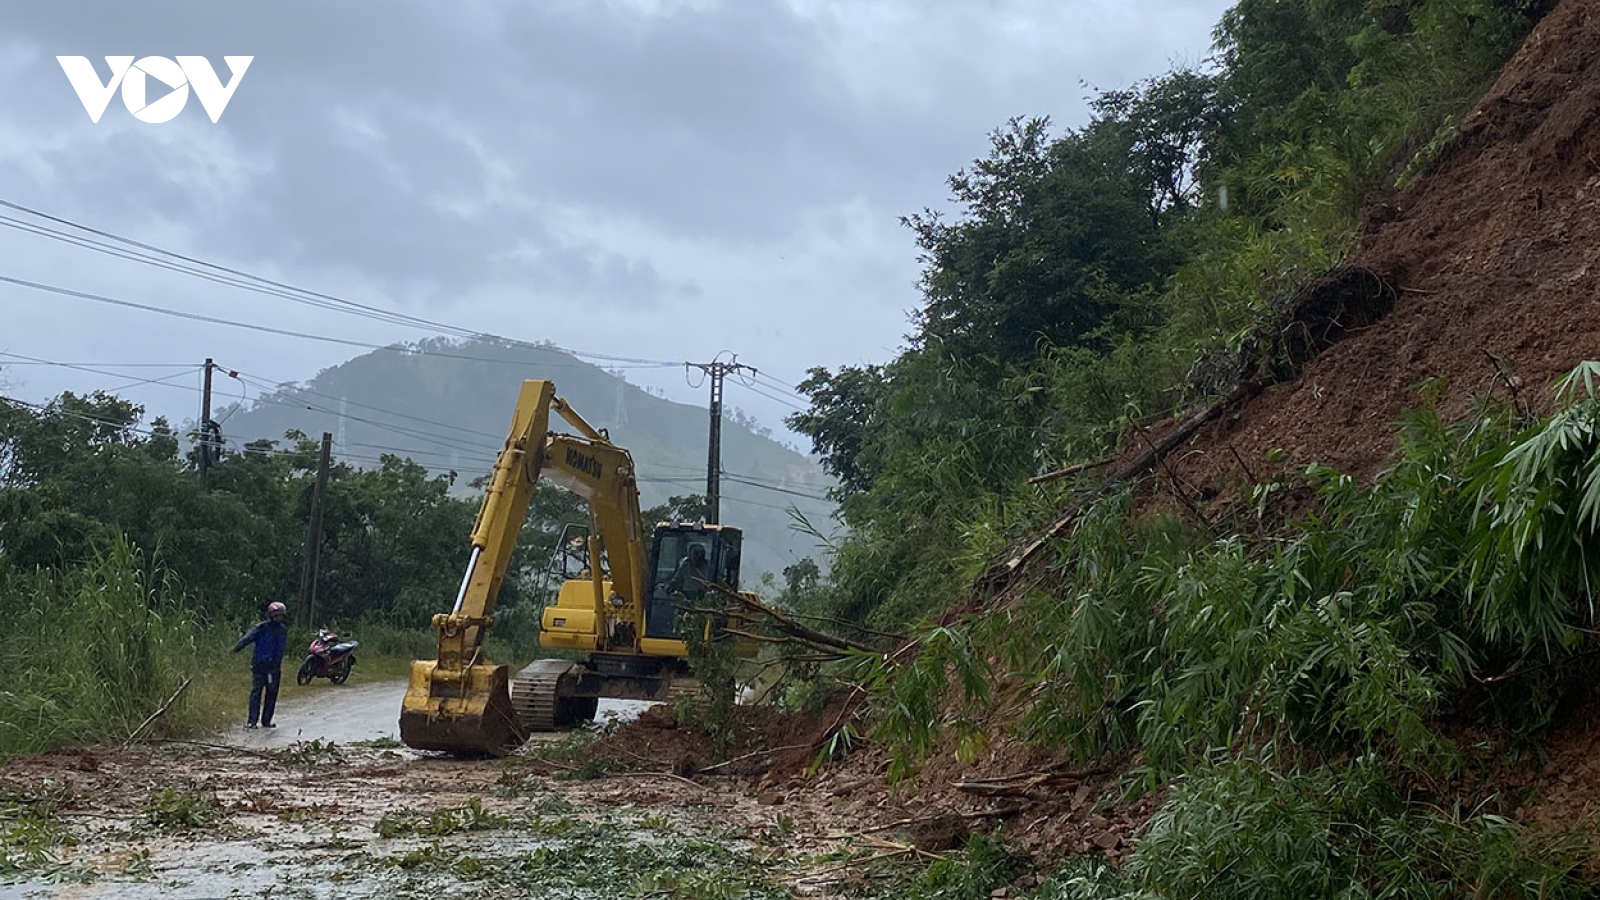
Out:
{"x": 461, "y": 702}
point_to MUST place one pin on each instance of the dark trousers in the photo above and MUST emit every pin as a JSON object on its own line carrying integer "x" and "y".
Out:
{"x": 264, "y": 676}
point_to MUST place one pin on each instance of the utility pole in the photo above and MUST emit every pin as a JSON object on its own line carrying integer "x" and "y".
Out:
{"x": 308, "y": 569}
{"x": 717, "y": 370}
{"x": 205, "y": 425}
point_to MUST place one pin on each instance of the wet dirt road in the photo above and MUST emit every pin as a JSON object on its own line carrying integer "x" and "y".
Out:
{"x": 354, "y": 713}
{"x": 324, "y": 806}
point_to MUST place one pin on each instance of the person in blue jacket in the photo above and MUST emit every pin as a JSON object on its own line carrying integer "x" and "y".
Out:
{"x": 266, "y": 664}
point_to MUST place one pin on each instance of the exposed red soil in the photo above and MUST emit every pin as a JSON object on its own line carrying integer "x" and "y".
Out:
{"x": 1564, "y": 795}
{"x": 1492, "y": 255}
{"x": 1023, "y": 792}
{"x": 1496, "y": 251}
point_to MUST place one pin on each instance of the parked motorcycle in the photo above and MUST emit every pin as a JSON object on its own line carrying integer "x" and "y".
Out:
{"x": 329, "y": 658}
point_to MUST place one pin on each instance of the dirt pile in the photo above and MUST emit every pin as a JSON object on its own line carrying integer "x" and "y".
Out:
{"x": 1023, "y": 792}
{"x": 1495, "y": 253}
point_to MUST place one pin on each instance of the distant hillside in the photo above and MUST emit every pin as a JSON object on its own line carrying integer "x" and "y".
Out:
{"x": 447, "y": 406}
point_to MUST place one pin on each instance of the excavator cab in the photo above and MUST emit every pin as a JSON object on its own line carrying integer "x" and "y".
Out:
{"x": 688, "y": 562}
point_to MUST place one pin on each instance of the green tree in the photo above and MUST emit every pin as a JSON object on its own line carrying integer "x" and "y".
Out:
{"x": 1053, "y": 234}
{"x": 686, "y": 508}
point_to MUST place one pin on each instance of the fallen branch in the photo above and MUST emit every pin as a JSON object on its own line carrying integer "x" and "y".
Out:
{"x": 1000, "y": 813}
{"x": 874, "y": 841}
{"x": 1001, "y": 576}
{"x": 1042, "y": 786}
{"x": 1072, "y": 774}
{"x": 694, "y": 784}
{"x": 1177, "y": 483}
{"x": 1512, "y": 383}
{"x": 1071, "y": 470}
{"x": 789, "y": 626}
{"x": 812, "y": 877}
{"x": 1240, "y": 460}
{"x": 158, "y": 713}
{"x": 835, "y": 620}
{"x": 213, "y": 746}
{"x": 729, "y": 762}
{"x": 568, "y": 767}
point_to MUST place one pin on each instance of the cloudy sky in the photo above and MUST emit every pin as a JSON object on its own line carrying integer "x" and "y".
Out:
{"x": 658, "y": 179}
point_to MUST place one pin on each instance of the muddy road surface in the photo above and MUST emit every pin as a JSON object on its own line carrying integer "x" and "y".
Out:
{"x": 354, "y": 713}
{"x": 329, "y": 805}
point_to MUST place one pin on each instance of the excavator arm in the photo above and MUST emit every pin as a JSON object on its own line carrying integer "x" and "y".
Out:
{"x": 461, "y": 701}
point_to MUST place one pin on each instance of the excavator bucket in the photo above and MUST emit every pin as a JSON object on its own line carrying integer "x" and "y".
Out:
{"x": 466, "y": 711}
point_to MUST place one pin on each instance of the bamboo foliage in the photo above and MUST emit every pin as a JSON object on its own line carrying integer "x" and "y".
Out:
{"x": 1459, "y": 578}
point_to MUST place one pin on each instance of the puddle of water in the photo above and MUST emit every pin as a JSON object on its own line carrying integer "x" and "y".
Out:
{"x": 349, "y": 714}
{"x": 583, "y": 855}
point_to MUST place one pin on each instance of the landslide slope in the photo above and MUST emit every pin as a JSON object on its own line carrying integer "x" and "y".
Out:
{"x": 1495, "y": 250}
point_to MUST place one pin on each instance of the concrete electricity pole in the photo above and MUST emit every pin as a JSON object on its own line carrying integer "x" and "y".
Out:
{"x": 210, "y": 443}
{"x": 717, "y": 370}
{"x": 205, "y": 424}
{"x": 310, "y": 565}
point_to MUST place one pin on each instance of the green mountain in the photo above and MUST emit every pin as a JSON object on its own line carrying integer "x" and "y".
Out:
{"x": 447, "y": 405}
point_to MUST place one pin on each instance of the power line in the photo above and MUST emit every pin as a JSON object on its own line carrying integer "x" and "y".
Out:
{"x": 778, "y": 384}
{"x": 242, "y": 449}
{"x": 277, "y": 288}
{"x": 287, "y": 332}
{"x": 159, "y": 380}
{"x": 293, "y": 333}
{"x": 759, "y": 480}
{"x": 118, "y": 253}
{"x": 447, "y": 441}
{"x": 779, "y": 490}
{"x": 262, "y": 384}
{"x": 773, "y": 397}
{"x": 757, "y": 503}
{"x": 28, "y": 361}
{"x": 32, "y": 360}
{"x": 149, "y": 433}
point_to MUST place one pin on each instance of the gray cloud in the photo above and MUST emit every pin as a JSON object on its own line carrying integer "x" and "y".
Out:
{"x": 741, "y": 162}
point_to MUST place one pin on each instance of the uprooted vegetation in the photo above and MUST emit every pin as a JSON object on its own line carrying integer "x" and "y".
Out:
{"x": 1372, "y": 667}
{"x": 1150, "y": 623}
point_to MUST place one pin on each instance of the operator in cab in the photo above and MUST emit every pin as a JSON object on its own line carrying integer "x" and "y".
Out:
{"x": 692, "y": 575}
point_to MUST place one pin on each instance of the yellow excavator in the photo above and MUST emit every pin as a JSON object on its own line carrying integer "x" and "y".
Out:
{"x": 630, "y": 616}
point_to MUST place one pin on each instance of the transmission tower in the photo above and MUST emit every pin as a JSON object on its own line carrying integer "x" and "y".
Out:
{"x": 620, "y": 415}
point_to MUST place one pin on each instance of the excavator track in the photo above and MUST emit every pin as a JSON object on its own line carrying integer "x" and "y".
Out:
{"x": 535, "y": 694}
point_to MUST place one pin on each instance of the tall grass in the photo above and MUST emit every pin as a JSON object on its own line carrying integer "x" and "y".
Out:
{"x": 1251, "y": 669}
{"x": 90, "y": 652}
{"x": 1249, "y": 831}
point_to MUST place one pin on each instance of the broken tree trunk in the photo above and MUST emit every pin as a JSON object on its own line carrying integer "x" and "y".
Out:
{"x": 791, "y": 628}
{"x": 1002, "y": 576}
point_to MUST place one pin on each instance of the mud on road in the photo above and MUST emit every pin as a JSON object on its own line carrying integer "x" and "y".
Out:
{"x": 328, "y": 805}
